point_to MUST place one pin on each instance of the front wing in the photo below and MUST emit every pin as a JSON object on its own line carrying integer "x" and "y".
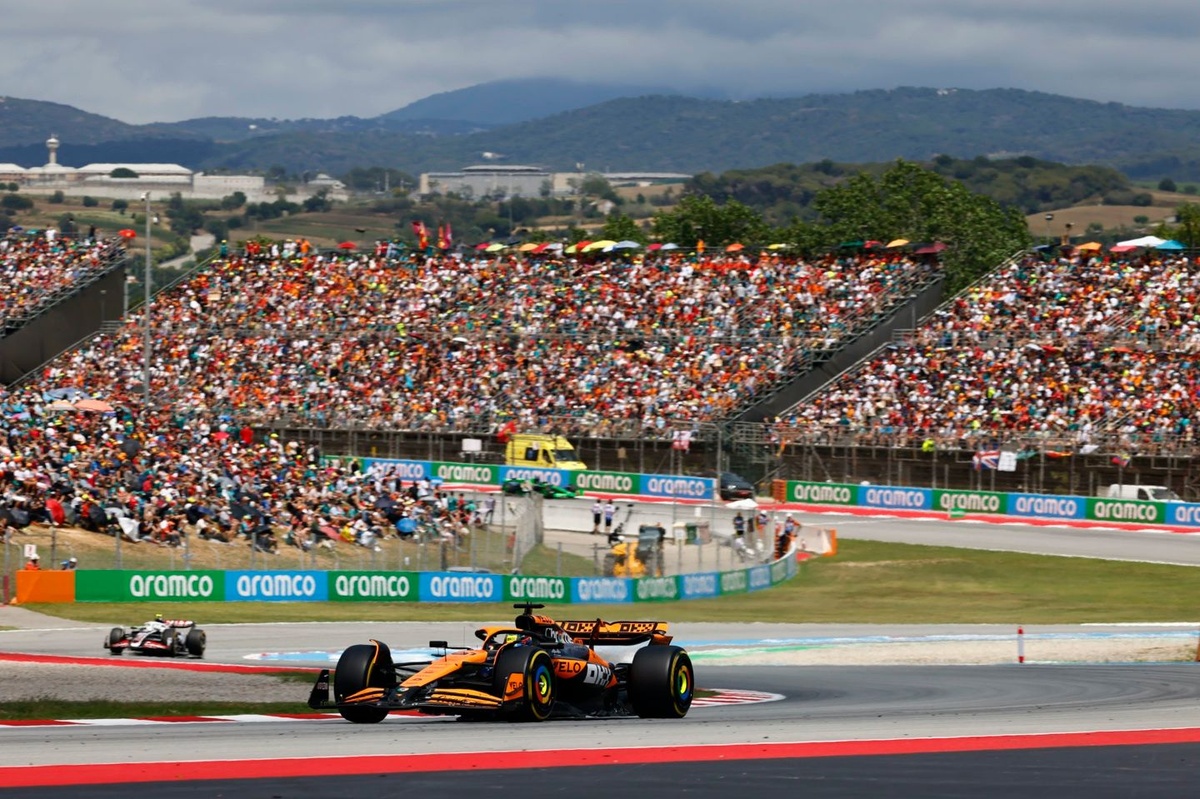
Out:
{"x": 425, "y": 699}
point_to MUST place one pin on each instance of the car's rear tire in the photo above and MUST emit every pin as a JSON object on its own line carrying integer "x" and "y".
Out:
{"x": 661, "y": 682}
{"x": 195, "y": 642}
{"x": 114, "y": 637}
{"x": 539, "y": 689}
{"x": 363, "y": 666}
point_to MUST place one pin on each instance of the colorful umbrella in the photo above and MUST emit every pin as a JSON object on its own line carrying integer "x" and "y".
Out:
{"x": 99, "y": 406}
{"x": 897, "y": 243}
{"x": 778, "y": 246}
{"x": 1091, "y": 246}
{"x": 528, "y": 246}
{"x": 603, "y": 244}
{"x": 481, "y": 246}
{"x": 347, "y": 245}
{"x": 930, "y": 249}
{"x": 128, "y": 233}
{"x": 628, "y": 244}
{"x": 735, "y": 247}
{"x": 653, "y": 247}
{"x": 1170, "y": 244}
{"x": 497, "y": 247}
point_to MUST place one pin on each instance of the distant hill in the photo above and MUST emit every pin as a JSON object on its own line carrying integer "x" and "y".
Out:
{"x": 664, "y": 132}
{"x": 686, "y": 134}
{"x": 506, "y": 102}
{"x": 24, "y": 122}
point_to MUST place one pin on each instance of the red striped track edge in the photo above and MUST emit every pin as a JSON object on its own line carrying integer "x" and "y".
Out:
{"x": 196, "y": 771}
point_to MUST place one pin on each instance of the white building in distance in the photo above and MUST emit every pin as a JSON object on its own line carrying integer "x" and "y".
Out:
{"x": 504, "y": 181}
{"x": 159, "y": 180}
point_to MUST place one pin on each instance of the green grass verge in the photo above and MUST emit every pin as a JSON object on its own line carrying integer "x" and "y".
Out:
{"x": 26, "y": 709}
{"x": 868, "y": 582}
{"x": 42, "y": 709}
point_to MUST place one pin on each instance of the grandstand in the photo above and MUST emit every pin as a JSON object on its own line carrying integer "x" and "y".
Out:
{"x": 261, "y": 363}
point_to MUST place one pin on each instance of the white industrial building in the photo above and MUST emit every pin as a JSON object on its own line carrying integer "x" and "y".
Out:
{"x": 500, "y": 182}
{"x": 159, "y": 180}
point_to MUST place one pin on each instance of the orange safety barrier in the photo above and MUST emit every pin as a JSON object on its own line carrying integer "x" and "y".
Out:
{"x": 45, "y": 586}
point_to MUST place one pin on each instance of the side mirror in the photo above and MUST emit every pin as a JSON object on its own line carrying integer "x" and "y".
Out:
{"x": 439, "y": 645}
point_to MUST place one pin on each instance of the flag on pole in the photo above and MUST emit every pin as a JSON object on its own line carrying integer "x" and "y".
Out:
{"x": 1122, "y": 459}
{"x": 422, "y": 234}
{"x": 682, "y": 440}
{"x": 700, "y": 247}
{"x": 986, "y": 459}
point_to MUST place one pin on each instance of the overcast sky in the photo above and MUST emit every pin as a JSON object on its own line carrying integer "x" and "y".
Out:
{"x": 166, "y": 60}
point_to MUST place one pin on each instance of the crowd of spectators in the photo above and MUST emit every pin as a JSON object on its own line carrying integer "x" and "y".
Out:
{"x": 1071, "y": 348}
{"x": 442, "y": 343}
{"x": 398, "y": 343}
{"x": 158, "y": 479}
{"x": 37, "y": 270}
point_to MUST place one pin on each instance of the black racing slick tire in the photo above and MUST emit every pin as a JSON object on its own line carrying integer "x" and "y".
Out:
{"x": 537, "y": 698}
{"x": 195, "y": 642}
{"x": 661, "y": 682}
{"x": 171, "y": 639}
{"x": 114, "y": 637}
{"x": 360, "y": 667}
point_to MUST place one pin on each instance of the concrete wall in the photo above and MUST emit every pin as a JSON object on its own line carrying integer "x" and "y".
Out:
{"x": 76, "y": 317}
{"x": 903, "y": 318}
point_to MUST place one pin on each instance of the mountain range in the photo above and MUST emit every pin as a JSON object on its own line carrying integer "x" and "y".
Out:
{"x": 609, "y": 127}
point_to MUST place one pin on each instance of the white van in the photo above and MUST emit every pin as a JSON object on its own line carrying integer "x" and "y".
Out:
{"x": 1142, "y": 492}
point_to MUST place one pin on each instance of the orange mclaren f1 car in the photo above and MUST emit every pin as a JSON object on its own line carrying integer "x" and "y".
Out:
{"x": 533, "y": 670}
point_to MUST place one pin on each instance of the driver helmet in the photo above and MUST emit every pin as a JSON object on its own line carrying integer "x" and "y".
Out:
{"x": 158, "y": 617}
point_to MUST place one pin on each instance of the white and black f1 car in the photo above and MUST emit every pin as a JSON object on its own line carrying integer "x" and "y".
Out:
{"x": 165, "y": 637}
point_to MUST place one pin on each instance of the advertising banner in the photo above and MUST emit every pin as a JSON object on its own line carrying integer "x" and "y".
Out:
{"x": 276, "y": 586}
{"x": 699, "y": 586}
{"x": 410, "y": 471}
{"x": 968, "y": 501}
{"x": 1125, "y": 510}
{"x": 1046, "y": 506}
{"x": 677, "y": 486}
{"x": 601, "y": 590}
{"x": 760, "y": 578}
{"x": 780, "y": 570}
{"x": 470, "y": 473}
{"x": 821, "y": 493}
{"x": 608, "y": 482}
{"x": 372, "y": 586}
{"x": 137, "y": 586}
{"x": 556, "y": 477}
{"x": 870, "y": 496}
{"x": 520, "y": 588}
{"x": 655, "y": 589}
{"x": 459, "y": 587}
{"x": 1183, "y": 513}
{"x": 737, "y": 582}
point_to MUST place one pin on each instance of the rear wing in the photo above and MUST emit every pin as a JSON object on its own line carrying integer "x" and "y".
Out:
{"x": 617, "y": 633}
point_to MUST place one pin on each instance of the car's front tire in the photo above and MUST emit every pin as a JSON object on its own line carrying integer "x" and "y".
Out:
{"x": 363, "y": 666}
{"x": 662, "y": 682}
{"x": 114, "y": 637}
{"x": 195, "y": 642}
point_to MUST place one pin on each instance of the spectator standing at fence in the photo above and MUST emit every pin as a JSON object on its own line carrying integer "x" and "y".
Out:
{"x": 610, "y": 510}
{"x": 739, "y": 525}
{"x": 69, "y": 564}
{"x": 597, "y": 513}
{"x": 33, "y": 565}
